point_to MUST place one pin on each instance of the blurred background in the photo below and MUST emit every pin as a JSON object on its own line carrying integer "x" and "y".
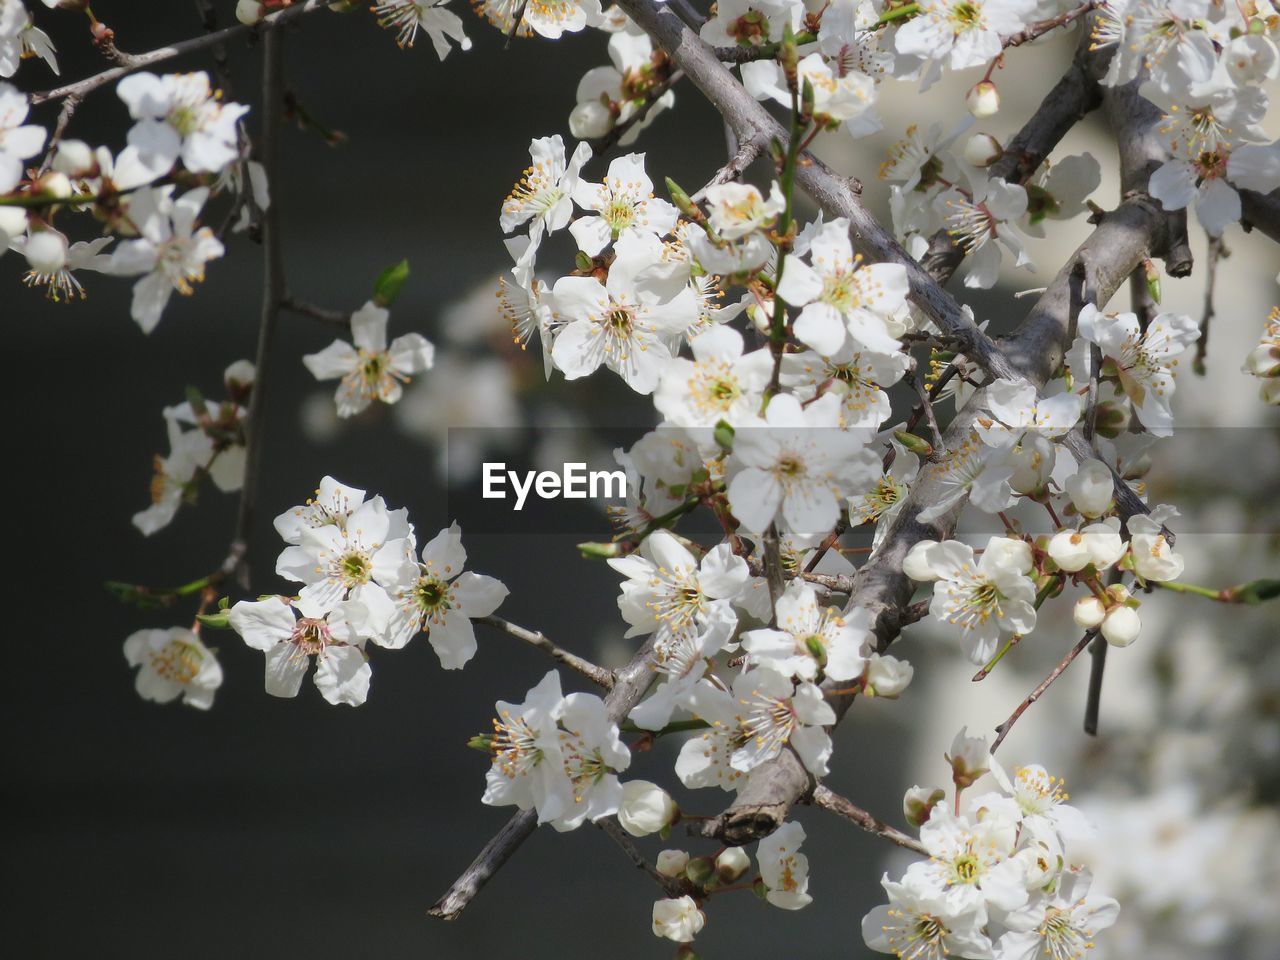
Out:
{"x": 292, "y": 827}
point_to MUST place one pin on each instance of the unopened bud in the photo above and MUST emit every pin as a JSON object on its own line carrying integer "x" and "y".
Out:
{"x": 682, "y": 201}
{"x": 249, "y": 11}
{"x": 731, "y": 864}
{"x": 982, "y": 150}
{"x": 886, "y": 676}
{"x": 1088, "y": 612}
{"x": 600, "y": 551}
{"x": 983, "y": 100}
{"x": 1112, "y": 419}
{"x": 699, "y": 870}
{"x": 671, "y": 863}
{"x": 919, "y": 802}
{"x": 1122, "y": 626}
{"x": 1263, "y": 360}
{"x": 645, "y": 808}
{"x": 917, "y": 445}
{"x": 1153, "y": 279}
{"x": 590, "y": 120}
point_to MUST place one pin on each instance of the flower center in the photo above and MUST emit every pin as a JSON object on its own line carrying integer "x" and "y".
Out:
{"x": 177, "y": 661}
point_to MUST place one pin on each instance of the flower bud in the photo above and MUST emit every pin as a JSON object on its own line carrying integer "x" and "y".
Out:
{"x": 239, "y": 375}
{"x": 919, "y": 802}
{"x": 1270, "y": 392}
{"x": 699, "y": 870}
{"x": 249, "y": 11}
{"x": 732, "y": 864}
{"x": 1121, "y": 627}
{"x": 983, "y": 100}
{"x": 1088, "y": 612}
{"x": 671, "y": 863}
{"x": 970, "y": 759}
{"x": 887, "y": 676}
{"x": 1263, "y": 360}
{"x": 590, "y": 120}
{"x": 599, "y": 551}
{"x": 917, "y": 445}
{"x": 46, "y": 251}
{"x": 1069, "y": 551}
{"x": 645, "y": 808}
{"x": 1112, "y": 419}
{"x": 1091, "y": 488}
{"x": 678, "y": 920}
{"x": 982, "y": 150}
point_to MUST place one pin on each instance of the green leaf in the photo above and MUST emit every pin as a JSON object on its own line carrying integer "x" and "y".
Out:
{"x": 724, "y": 434}
{"x": 219, "y": 621}
{"x": 1255, "y": 591}
{"x": 389, "y": 282}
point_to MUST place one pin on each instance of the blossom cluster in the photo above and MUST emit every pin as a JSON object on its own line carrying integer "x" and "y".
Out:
{"x": 1001, "y": 881}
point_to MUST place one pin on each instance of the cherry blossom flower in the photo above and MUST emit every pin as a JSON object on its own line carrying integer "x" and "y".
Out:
{"x": 983, "y": 223}
{"x": 1143, "y": 362}
{"x": 987, "y": 598}
{"x": 544, "y": 193}
{"x": 629, "y": 323}
{"x": 407, "y": 17}
{"x": 1061, "y": 924}
{"x": 331, "y": 506}
{"x": 370, "y": 370}
{"x": 750, "y": 23}
{"x": 678, "y": 919}
{"x": 668, "y": 589}
{"x": 623, "y": 205}
{"x": 796, "y": 466}
{"x": 173, "y": 663}
{"x": 784, "y": 869}
{"x": 438, "y": 596}
{"x": 921, "y": 925}
{"x": 721, "y": 383}
{"x": 858, "y": 377}
{"x": 843, "y": 298}
{"x": 810, "y": 641}
{"x": 971, "y": 864}
{"x": 180, "y": 116}
{"x": 840, "y": 96}
{"x": 170, "y": 251}
{"x": 61, "y": 283}
{"x": 292, "y": 632}
{"x": 966, "y": 32}
{"x": 356, "y": 561}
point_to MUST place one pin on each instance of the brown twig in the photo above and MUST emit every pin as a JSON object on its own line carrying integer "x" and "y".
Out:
{"x": 535, "y": 638}
{"x": 1002, "y": 731}
{"x": 671, "y": 886}
{"x": 830, "y": 800}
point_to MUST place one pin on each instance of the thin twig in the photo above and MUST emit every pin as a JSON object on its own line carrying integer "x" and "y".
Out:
{"x": 1093, "y": 704}
{"x": 830, "y": 800}
{"x": 338, "y": 318}
{"x": 926, "y": 404}
{"x": 1002, "y": 731}
{"x": 273, "y": 287}
{"x": 742, "y": 158}
{"x": 670, "y": 885}
{"x": 135, "y": 62}
{"x": 535, "y": 638}
{"x": 1217, "y": 251}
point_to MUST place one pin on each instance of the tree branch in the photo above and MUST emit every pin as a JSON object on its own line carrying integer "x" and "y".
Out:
{"x": 273, "y": 287}
{"x": 596, "y": 674}
{"x": 671, "y": 886}
{"x": 830, "y": 800}
{"x": 134, "y": 62}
